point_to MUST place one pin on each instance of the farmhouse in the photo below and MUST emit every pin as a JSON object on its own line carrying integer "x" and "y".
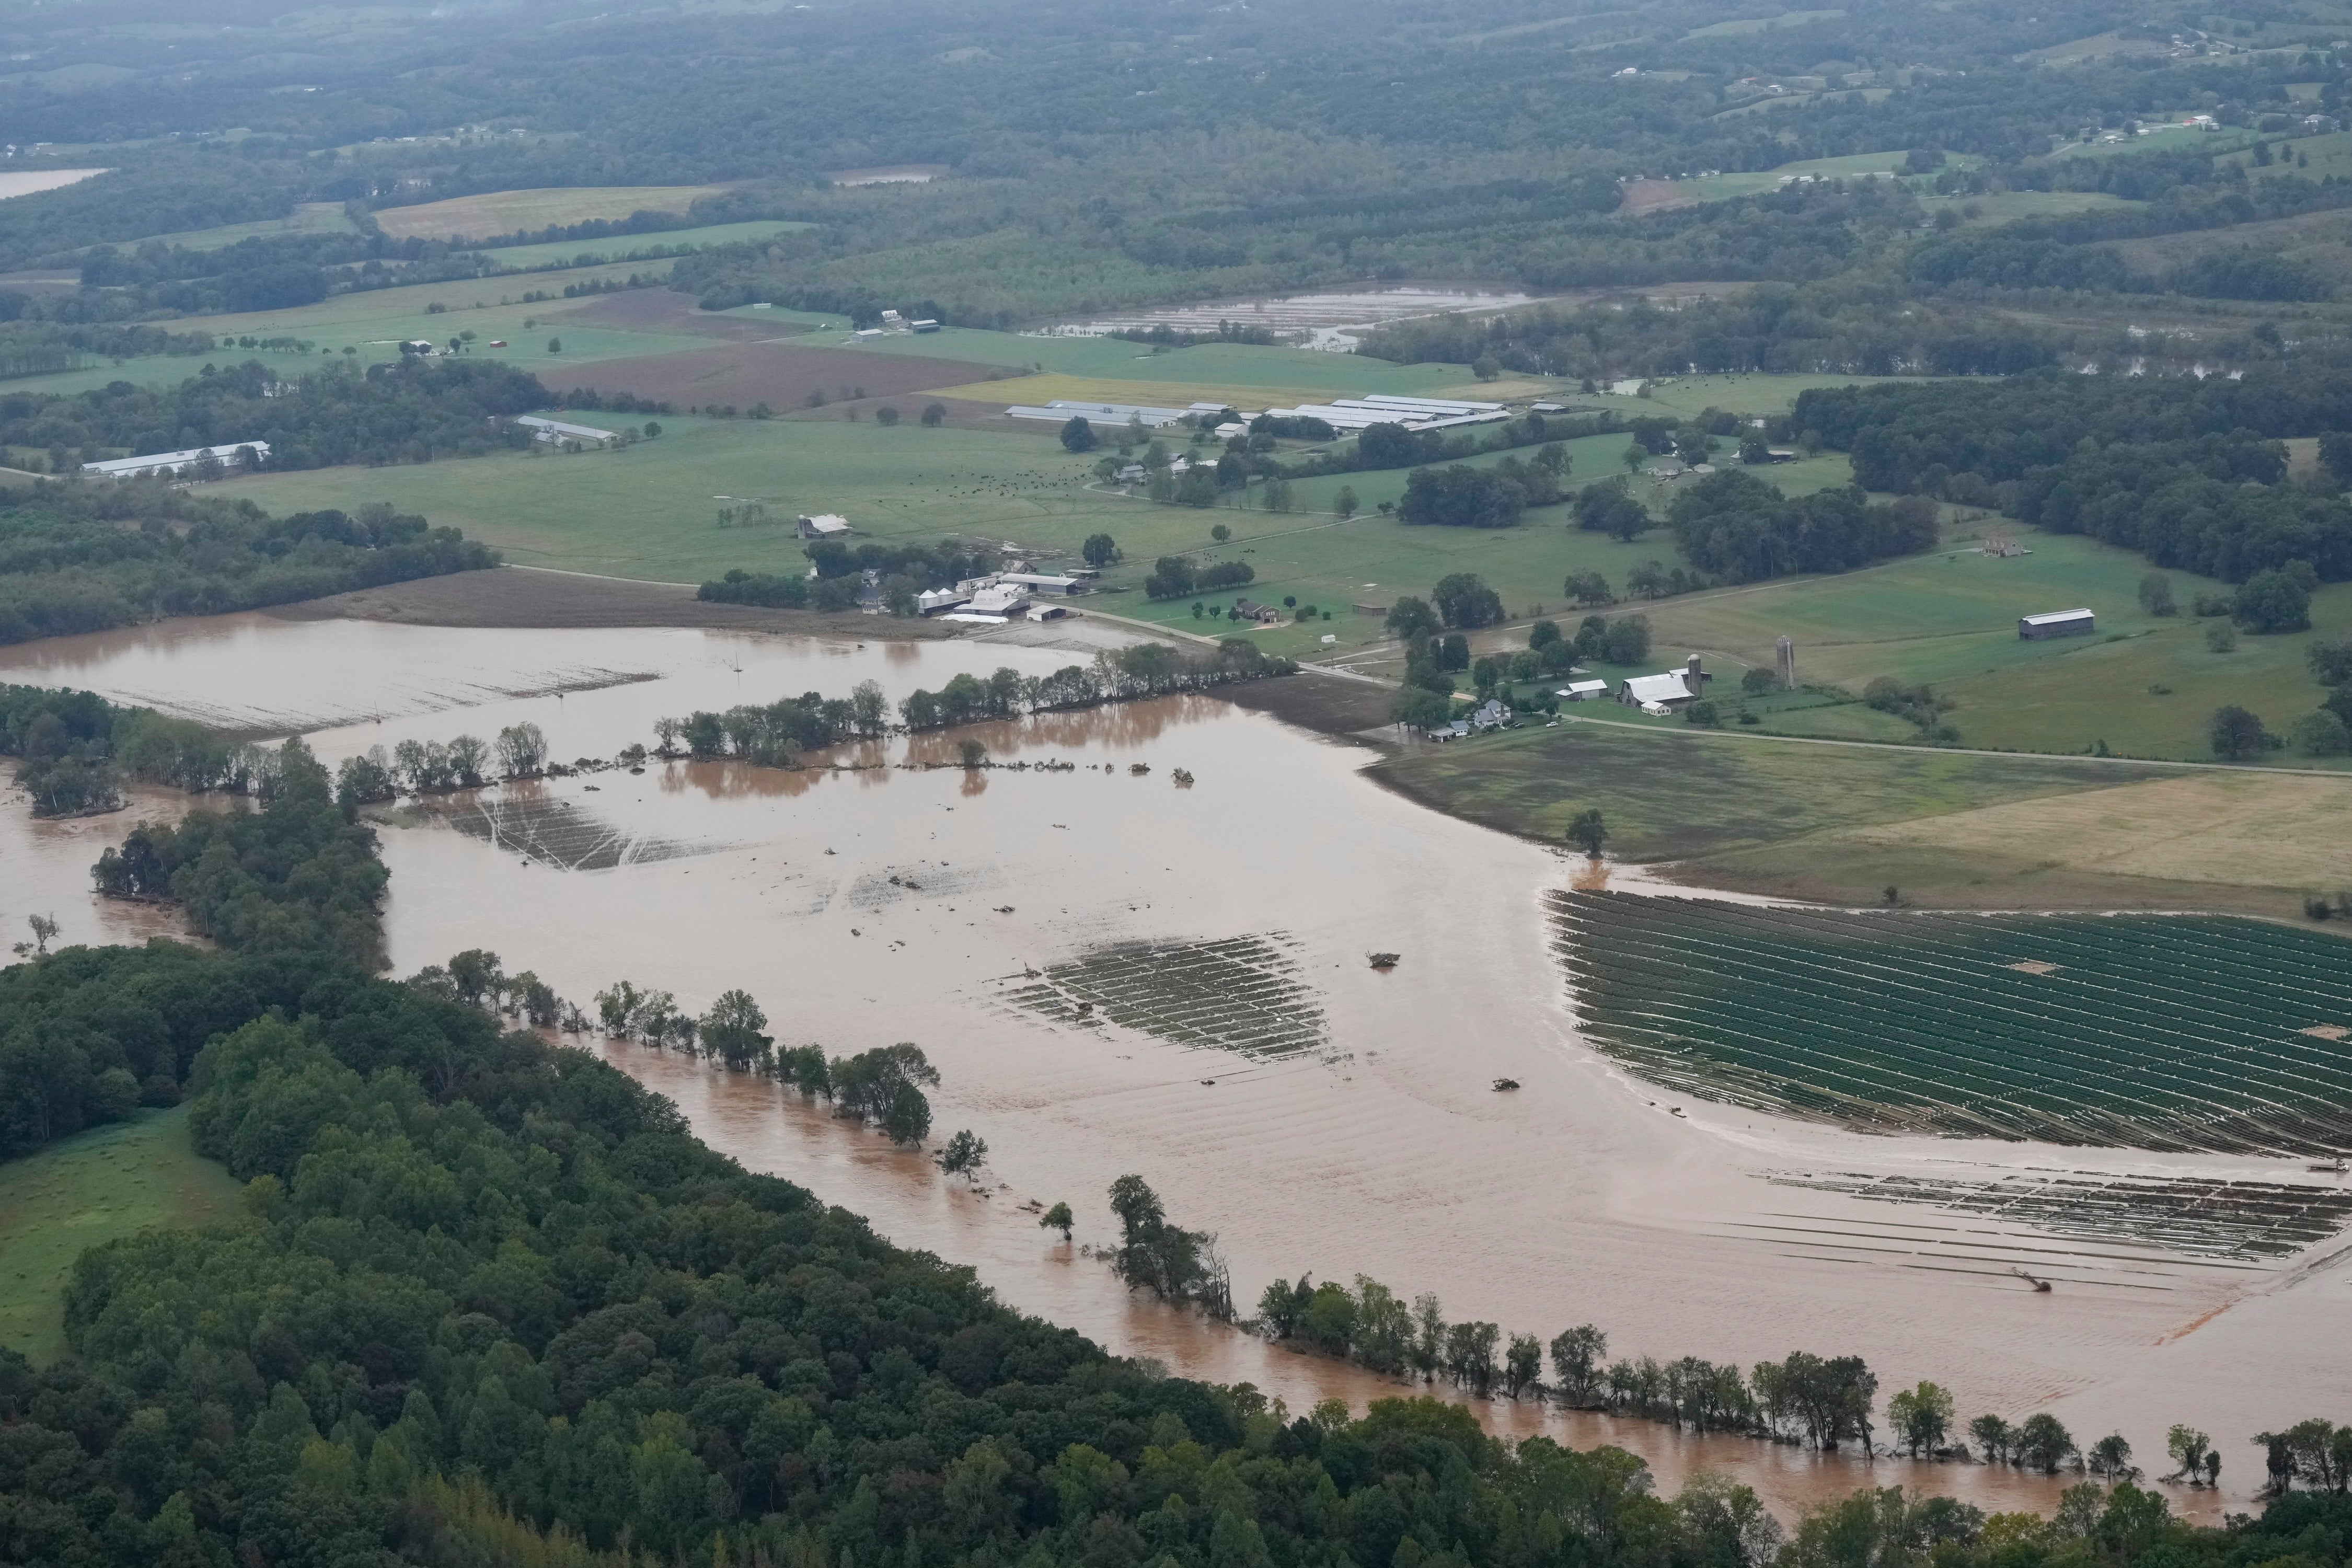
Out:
{"x": 1251, "y": 610}
{"x": 824, "y": 525}
{"x": 2055, "y": 623}
{"x": 228, "y": 457}
{"x": 557, "y": 430}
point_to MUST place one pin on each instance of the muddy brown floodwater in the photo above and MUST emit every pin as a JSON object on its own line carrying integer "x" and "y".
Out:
{"x": 1117, "y": 973}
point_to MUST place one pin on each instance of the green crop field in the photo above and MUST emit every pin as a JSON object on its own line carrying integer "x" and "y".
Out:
{"x": 62, "y": 1200}
{"x": 2157, "y": 1032}
{"x": 619, "y": 247}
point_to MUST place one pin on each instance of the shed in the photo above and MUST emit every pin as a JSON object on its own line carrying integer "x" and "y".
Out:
{"x": 2055, "y": 623}
{"x": 1042, "y": 584}
{"x": 999, "y": 599}
{"x": 1583, "y": 691}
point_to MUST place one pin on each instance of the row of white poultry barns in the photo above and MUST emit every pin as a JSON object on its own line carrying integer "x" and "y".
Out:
{"x": 1340, "y": 414}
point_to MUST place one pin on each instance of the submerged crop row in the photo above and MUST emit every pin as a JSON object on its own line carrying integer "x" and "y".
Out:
{"x": 2140, "y": 1031}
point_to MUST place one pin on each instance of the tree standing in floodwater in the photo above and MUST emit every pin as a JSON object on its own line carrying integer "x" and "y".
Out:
{"x": 1588, "y": 832}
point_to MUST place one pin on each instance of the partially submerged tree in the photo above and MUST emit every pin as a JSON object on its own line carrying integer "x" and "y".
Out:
{"x": 1588, "y": 832}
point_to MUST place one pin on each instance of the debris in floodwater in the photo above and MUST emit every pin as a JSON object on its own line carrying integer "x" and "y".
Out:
{"x": 1243, "y": 994}
{"x": 1208, "y": 1083}
{"x": 1138, "y": 769}
{"x": 1384, "y": 962}
{"x": 1505, "y": 1085}
{"x": 1004, "y": 909}
{"x": 2040, "y": 1285}
{"x": 1183, "y": 777}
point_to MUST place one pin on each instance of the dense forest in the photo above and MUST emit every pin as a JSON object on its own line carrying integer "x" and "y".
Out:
{"x": 79, "y": 559}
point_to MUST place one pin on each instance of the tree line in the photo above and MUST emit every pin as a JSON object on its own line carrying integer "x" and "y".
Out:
{"x": 412, "y": 410}
{"x": 2189, "y": 472}
{"x": 81, "y": 558}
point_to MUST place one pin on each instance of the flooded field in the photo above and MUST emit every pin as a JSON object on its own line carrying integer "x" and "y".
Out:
{"x": 1116, "y": 973}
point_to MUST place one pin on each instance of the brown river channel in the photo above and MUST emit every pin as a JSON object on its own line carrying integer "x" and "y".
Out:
{"x": 1319, "y": 1116}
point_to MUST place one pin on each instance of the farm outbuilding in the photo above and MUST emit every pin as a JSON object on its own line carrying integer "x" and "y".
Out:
{"x": 2056, "y": 624}
{"x": 824, "y": 525}
{"x": 229, "y": 456}
{"x": 543, "y": 429}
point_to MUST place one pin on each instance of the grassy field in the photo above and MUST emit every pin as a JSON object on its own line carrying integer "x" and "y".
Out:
{"x": 2148, "y": 1032}
{"x": 1950, "y": 618}
{"x": 649, "y": 511}
{"x": 1747, "y": 26}
{"x": 591, "y": 252}
{"x": 1671, "y": 794}
{"x": 514, "y": 212}
{"x": 308, "y": 218}
{"x": 114, "y": 1182}
{"x": 1841, "y": 823}
{"x": 375, "y": 322}
{"x": 2008, "y": 206}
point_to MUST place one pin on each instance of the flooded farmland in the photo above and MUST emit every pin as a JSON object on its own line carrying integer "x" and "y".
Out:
{"x": 1114, "y": 972}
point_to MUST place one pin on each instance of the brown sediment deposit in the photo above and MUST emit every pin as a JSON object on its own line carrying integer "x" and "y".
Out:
{"x": 867, "y": 902}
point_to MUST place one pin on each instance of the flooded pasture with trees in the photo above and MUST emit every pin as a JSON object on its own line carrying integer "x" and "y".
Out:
{"x": 1135, "y": 940}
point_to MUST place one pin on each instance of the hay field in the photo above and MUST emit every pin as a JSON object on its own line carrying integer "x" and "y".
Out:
{"x": 515, "y": 212}
{"x": 2283, "y": 831}
{"x": 111, "y": 1182}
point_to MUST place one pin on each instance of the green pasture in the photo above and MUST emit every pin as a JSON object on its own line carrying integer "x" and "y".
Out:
{"x": 1746, "y": 25}
{"x": 647, "y": 510}
{"x": 1116, "y": 359}
{"x": 1948, "y": 619}
{"x": 112, "y": 1182}
{"x": 1670, "y": 794}
{"x": 620, "y": 246}
{"x": 308, "y": 218}
{"x": 375, "y": 322}
{"x": 2141, "y": 1032}
{"x": 1735, "y": 391}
